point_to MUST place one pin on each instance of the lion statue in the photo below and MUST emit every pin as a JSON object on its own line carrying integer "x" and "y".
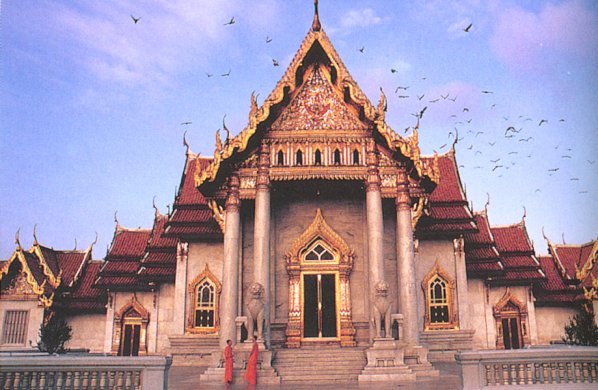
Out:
{"x": 382, "y": 307}
{"x": 255, "y": 311}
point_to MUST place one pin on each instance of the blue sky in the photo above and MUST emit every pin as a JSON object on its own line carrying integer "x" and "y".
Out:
{"x": 92, "y": 103}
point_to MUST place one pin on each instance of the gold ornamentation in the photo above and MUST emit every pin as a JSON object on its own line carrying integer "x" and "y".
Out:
{"x": 317, "y": 107}
{"x": 417, "y": 210}
{"x": 438, "y": 274}
{"x": 232, "y": 200}
{"x": 18, "y": 286}
{"x": 133, "y": 313}
{"x": 510, "y": 307}
{"x": 37, "y": 288}
{"x": 217, "y": 213}
{"x": 206, "y": 274}
{"x": 319, "y": 233}
{"x": 586, "y": 269}
{"x": 248, "y": 182}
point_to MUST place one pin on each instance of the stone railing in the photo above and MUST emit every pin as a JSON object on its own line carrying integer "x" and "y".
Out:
{"x": 558, "y": 368}
{"x": 83, "y": 372}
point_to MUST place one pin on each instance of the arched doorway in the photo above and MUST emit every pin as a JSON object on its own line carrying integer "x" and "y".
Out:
{"x": 319, "y": 264}
{"x": 130, "y": 326}
{"x": 511, "y": 322}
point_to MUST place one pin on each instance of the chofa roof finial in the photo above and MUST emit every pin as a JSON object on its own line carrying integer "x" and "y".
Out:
{"x": 487, "y": 203}
{"x": 186, "y": 144}
{"x": 316, "y": 26}
{"x": 35, "y": 235}
{"x": 154, "y": 205}
{"x": 17, "y": 237}
{"x": 116, "y": 218}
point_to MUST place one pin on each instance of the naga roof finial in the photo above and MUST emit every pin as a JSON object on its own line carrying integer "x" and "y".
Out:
{"x": 116, "y": 218}
{"x": 316, "y": 26}
{"x": 186, "y": 144}
{"x": 487, "y": 203}
{"x": 154, "y": 206}
{"x": 17, "y": 237}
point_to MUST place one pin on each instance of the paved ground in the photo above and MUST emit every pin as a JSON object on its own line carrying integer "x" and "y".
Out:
{"x": 186, "y": 378}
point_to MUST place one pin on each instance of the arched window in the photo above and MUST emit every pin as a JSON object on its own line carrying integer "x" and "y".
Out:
{"x": 130, "y": 329}
{"x": 319, "y": 253}
{"x": 337, "y": 157}
{"x": 439, "y": 292}
{"x": 204, "y": 295}
{"x": 318, "y": 157}
{"x": 439, "y": 310}
{"x": 280, "y": 158}
{"x": 299, "y": 157}
{"x": 355, "y": 157}
{"x": 205, "y": 305}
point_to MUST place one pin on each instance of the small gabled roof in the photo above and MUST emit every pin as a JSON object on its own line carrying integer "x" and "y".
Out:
{"x": 482, "y": 257}
{"x": 555, "y": 289}
{"x": 83, "y": 296}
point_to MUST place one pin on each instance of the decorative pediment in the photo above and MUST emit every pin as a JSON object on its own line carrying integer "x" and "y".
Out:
{"x": 132, "y": 309}
{"x": 317, "y": 107}
{"x": 18, "y": 285}
{"x": 319, "y": 230}
{"x": 509, "y": 303}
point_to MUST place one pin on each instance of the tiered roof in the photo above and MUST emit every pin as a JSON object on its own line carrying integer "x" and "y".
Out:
{"x": 481, "y": 256}
{"x": 159, "y": 262}
{"x": 191, "y": 218}
{"x": 558, "y": 288}
{"x": 123, "y": 260}
{"x": 517, "y": 254}
{"x": 448, "y": 211}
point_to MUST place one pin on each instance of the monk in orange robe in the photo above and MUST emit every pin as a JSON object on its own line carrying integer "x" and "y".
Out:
{"x": 251, "y": 373}
{"x": 228, "y": 362}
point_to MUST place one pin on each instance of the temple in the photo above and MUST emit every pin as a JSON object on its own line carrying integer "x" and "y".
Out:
{"x": 315, "y": 226}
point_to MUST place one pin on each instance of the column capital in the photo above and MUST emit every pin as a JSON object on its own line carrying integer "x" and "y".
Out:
{"x": 233, "y": 203}
{"x": 263, "y": 167}
{"x": 403, "y": 200}
{"x": 373, "y": 176}
{"x": 459, "y": 245}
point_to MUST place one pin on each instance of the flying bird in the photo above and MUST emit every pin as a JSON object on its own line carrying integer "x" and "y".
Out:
{"x": 393, "y": 70}
{"x": 496, "y": 167}
{"x": 268, "y": 39}
{"x": 574, "y": 179}
{"x": 487, "y": 92}
{"x": 492, "y": 143}
{"x": 466, "y": 29}
{"x": 513, "y": 152}
{"x": 231, "y": 21}
{"x": 274, "y": 62}
{"x": 465, "y": 109}
{"x": 478, "y": 133}
{"x": 542, "y": 121}
{"x": 403, "y": 96}
{"x": 421, "y": 113}
{"x": 526, "y": 139}
{"x": 362, "y": 49}
{"x": 553, "y": 169}
{"x": 399, "y": 87}
{"x": 453, "y": 99}
{"x": 591, "y": 161}
{"x": 135, "y": 20}
{"x": 565, "y": 156}
{"x": 209, "y": 74}
{"x": 495, "y": 161}
{"x": 420, "y": 97}
{"x": 185, "y": 123}
{"x": 434, "y": 101}
{"x": 444, "y": 96}
{"x": 226, "y": 74}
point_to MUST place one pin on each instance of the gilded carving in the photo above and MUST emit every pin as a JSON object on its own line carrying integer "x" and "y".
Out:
{"x": 317, "y": 107}
{"x": 248, "y": 182}
{"x": 217, "y": 213}
{"x": 18, "y": 286}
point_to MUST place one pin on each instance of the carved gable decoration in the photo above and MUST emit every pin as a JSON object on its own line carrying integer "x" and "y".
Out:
{"x": 18, "y": 285}
{"x": 317, "y": 107}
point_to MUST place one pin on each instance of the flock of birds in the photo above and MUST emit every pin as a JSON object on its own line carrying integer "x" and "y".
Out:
{"x": 495, "y": 153}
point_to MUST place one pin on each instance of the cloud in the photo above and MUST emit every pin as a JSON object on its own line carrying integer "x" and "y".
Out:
{"x": 356, "y": 19}
{"x": 521, "y": 38}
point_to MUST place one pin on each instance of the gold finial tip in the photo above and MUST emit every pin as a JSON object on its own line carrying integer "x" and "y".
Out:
{"x": 316, "y": 26}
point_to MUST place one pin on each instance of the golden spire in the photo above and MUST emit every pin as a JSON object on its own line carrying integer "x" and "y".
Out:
{"x": 316, "y": 26}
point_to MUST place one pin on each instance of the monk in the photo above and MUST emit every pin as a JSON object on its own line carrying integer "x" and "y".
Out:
{"x": 228, "y": 362}
{"x": 251, "y": 373}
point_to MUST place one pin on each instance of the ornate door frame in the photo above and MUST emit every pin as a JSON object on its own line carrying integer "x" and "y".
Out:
{"x": 319, "y": 233}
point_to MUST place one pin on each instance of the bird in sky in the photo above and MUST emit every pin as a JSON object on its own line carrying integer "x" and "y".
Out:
{"x": 393, "y": 70}
{"x": 209, "y": 74}
{"x": 513, "y": 152}
{"x": 443, "y": 146}
{"x": 186, "y": 123}
{"x": 478, "y": 133}
{"x": 591, "y": 161}
{"x": 496, "y": 167}
{"x": 574, "y": 179}
{"x": 492, "y": 143}
{"x": 403, "y": 96}
{"x": 444, "y": 96}
{"x": 565, "y": 156}
{"x": 420, "y": 97}
{"x": 553, "y": 169}
{"x": 487, "y": 92}
{"x": 465, "y": 109}
{"x": 495, "y": 161}
{"x": 362, "y": 49}
{"x": 466, "y": 29}
{"x": 434, "y": 101}
{"x": 542, "y": 121}
{"x": 274, "y": 62}
{"x": 526, "y": 139}
{"x": 421, "y": 113}
{"x": 268, "y": 39}
{"x": 231, "y": 21}
{"x": 400, "y": 87}
{"x": 453, "y": 99}
{"x": 226, "y": 74}
{"x": 135, "y": 20}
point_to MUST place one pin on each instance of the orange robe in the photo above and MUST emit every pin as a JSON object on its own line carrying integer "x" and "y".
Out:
{"x": 251, "y": 373}
{"x": 228, "y": 364}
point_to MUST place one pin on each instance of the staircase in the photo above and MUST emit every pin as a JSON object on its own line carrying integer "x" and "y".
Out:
{"x": 322, "y": 364}
{"x": 193, "y": 350}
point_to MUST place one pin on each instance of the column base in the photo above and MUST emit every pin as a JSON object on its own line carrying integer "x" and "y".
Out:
{"x": 385, "y": 363}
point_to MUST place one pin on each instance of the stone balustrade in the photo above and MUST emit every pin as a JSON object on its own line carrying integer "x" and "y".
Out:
{"x": 558, "y": 368}
{"x": 24, "y": 371}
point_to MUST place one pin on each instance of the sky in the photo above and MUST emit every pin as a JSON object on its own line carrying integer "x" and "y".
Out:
{"x": 91, "y": 103}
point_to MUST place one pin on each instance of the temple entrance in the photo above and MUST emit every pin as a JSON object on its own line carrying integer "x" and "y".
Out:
{"x": 130, "y": 339}
{"x": 319, "y": 306}
{"x": 511, "y": 333}
{"x": 319, "y": 264}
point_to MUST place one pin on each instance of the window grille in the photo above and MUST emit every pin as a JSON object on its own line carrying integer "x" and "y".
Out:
{"x": 14, "y": 330}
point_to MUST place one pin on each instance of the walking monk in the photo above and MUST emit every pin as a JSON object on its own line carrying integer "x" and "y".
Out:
{"x": 251, "y": 373}
{"x": 228, "y": 362}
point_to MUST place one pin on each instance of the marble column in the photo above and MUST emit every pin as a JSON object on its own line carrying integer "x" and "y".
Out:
{"x": 373, "y": 200}
{"x": 261, "y": 233}
{"x": 109, "y": 329}
{"x": 406, "y": 262}
{"x": 180, "y": 289}
{"x": 230, "y": 267}
{"x": 461, "y": 277}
